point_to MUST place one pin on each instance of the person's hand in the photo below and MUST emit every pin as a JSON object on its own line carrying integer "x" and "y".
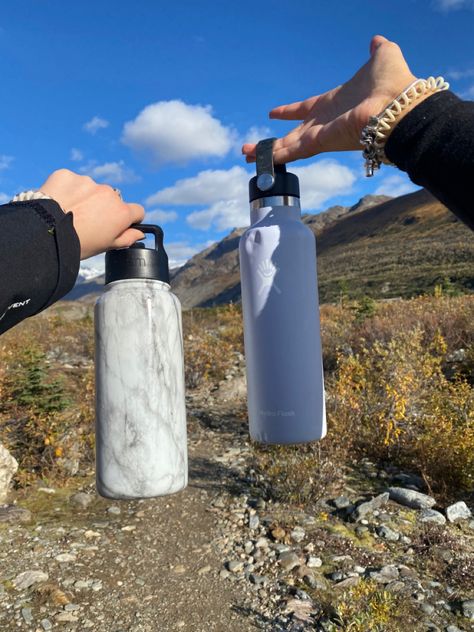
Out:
{"x": 101, "y": 219}
{"x": 333, "y": 121}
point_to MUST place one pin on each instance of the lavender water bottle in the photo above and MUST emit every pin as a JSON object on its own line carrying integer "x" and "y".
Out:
{"x": 281, "y": 311}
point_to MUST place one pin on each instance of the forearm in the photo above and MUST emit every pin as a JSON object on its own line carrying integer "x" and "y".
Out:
{"x": 434, "y": 144}
{"x": 39, "y": 258}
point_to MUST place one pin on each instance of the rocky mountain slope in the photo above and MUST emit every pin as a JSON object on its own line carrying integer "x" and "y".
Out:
{"x": 381, "y": 247}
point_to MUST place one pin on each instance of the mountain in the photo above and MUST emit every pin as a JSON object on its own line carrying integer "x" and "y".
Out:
{"x": 381, "y": 246}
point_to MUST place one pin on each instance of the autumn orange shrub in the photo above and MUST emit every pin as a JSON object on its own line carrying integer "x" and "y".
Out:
{"x": 395, "y": 401}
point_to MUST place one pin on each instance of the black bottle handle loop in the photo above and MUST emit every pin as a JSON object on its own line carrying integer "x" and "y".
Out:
{"x": 156, "y": 231}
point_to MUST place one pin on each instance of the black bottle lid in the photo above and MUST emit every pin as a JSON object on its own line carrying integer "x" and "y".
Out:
{"x": 137, "y": 261}
{"x": 271, "y": 179}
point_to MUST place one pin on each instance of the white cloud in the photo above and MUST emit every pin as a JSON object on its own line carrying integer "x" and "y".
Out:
{"x": 4, "y": 198}
{"x": 5, "y": 162}
{"x": 95, "y": 124}
{"x": 109, "y": 172}
{"x": 160, "y": 216}
{"x": 460, "y": 74}
{"x": 174, "y": 131}
{"x": 255, "y": 133}
{"x": 207, "y": 187}
{"x": 223, "y": 215}
{"x": 226, "y": 192}
{"x": 321, "y": 181}
{"x": 180, "y": 251}
{"x": 395, "y": 185}
{"x": 76, "y": 155}
{"x": 453, "y": 5}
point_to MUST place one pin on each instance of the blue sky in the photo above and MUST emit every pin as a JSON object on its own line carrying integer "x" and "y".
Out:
{"x": 156, "y": 97}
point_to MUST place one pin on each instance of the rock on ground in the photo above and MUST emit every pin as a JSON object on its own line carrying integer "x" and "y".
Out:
{"x": 411, "y": 498}
{"x": 8, "y": 467}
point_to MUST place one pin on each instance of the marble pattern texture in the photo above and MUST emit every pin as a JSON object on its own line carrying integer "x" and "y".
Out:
{"x": 141, "y": 442}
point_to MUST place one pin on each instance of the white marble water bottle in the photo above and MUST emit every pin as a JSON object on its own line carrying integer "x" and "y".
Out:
{"x": 285, "y": 383}
{"x": 141, "y": 447}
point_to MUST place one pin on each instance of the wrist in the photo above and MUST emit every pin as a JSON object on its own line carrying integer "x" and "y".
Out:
{"x": 378, "y": 129}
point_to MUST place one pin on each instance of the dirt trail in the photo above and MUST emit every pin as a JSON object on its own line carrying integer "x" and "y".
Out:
{"x": 153, "y": 567}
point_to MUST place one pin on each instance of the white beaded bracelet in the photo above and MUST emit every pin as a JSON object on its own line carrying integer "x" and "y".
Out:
{"x": 25, "y": 196}
{"x": 376, "y": 132}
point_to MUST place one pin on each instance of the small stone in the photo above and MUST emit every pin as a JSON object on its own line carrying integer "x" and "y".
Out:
{"x": 129, "y": 527}
{"x": 235, "y": 566}
{"x": 458, "y": 511}
{"x": 66, "y": 617}
{"x": 29, "y": 578}
{"x": 385, "y": 575}
{"x": 427, "y": 608}
{"x": 467, "y": 609}
{"x": 360, "y": 570}
{"x": 71, "y": 607}
{"x": 65, "y": 557}
{"x": 341, "y": 502}
{"x": 224, "y": 574}
{"x": 179, "y": 569}
{"x": 262, "y": 543}
{"x": 411, "y": 498}
{"x": 367, "y": 507}
{"x": 248, "y": 547}
{"x": 204, "y": 570}
{"x": 14, "y": 514}
{"x": 453, "y": 628}
{"x": 297, "y": 534}
{"x": 289, "y": 560}
{"x": 278, "y": 533}
{"x": 81, "y": 500}
{"x": 114, "y": 510}
{"x": 46, "y": 490}
{"x": 361, "y": 530}
{"x": 337, "y": 576}
{"x": 81, "y": 585}
{"x": 310, "y": 581}
{"x": 388, "y": 534}
{"x": 253, "y": 522}
{"x": 26, "y": 614}
{"x": 314, "y": 562}
{"x": 347, "y": 583}
{"x": 46, "y": 624}
{"x": 431, "y": 515}
{"x": 89, "y": 534}
{"x": 258, "y": 580}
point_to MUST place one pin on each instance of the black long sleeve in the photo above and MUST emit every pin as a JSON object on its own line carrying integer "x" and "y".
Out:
{"x": 39, "y": 258}
{"x": 434, "y": 144}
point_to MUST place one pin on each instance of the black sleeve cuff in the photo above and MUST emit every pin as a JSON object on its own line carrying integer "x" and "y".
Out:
{"x": 434, "y": 144}
{"x": 39, "y": 258}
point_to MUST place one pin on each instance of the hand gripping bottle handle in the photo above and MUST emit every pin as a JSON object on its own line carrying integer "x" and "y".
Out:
{"x": 141, "y": 448}
{"x": 285, "y": 386}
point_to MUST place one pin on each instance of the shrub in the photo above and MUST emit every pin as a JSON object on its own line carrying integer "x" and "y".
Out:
{"x": 395, "y": 399}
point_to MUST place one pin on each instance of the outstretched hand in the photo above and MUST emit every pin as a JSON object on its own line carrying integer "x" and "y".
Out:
{"x": 333, "y": 121}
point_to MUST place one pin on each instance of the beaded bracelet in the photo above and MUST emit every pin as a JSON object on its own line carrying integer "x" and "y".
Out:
{"x": 26, "y": 196}
{"x": 376, "y": 132}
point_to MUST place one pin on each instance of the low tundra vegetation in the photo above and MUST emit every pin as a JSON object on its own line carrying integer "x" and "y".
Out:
{"x": 399, "y": 387}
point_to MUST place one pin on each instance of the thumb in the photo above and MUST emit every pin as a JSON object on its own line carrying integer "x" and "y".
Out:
{"x": 375, "y": 42}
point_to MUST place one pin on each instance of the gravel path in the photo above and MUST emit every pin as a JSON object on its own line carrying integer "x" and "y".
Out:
{"x": 125, "y": 566}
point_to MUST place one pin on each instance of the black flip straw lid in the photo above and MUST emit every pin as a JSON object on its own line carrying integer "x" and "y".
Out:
{"x": 271, "y": 179}
{"x": 137, "y": 261}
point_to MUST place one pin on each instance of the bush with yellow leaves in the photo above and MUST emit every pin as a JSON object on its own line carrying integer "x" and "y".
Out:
{"x": 396, "y": 403}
